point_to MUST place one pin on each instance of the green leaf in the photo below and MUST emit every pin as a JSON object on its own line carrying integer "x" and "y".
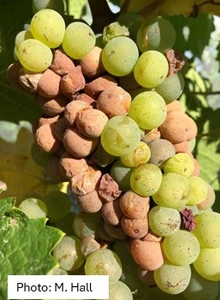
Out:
{"x": 26, "y": 244}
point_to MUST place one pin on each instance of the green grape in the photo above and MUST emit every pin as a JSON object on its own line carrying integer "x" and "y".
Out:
{"x": 68, "y": 253}
{"x": 120, "y": 135}
{"x": 208, "y": 263}
{"x": 207, "y": 229}
{"x": 33, "y": 208}
{"x": 130, "y": 272}
{"x": 121, "y": 174}
{"x": 138, "y": 156}
{"x": 132, "y": 21}
{"x": 161, "y": 150}
{"x": 171, "y": 88}
{"x": 210, "y": 199}
{"x": 114, "y": 30}
{"x": 39, "y": 156}
{"x": 158, "y": 34}
{"x": 200, "y": 288}
{"x": 120, "y": 291}
{"x": 146, "y": 179}
{"x": 57, "y": 271}
{"x": 148, "y": 109}
{"x": 120, "y": 55}
{"x": 174, "y": 191}
{"x": 164, "y": 221}
{"x": 172, "y": 279}
{"x": 85, "y": 224}
{"x": 199, "y": 190}
{"x": 151, "y": 69}
{"x": 57, "y": 5}
{"x": 21, "y": 37}
{"x": 79, "y": 39}
{"x": 48, "y": 26}
{"x": 181, "y": 248}
{"x": 104, "y": 262}
{"x": 35, "y": 56}
{"x": 180, "y": 163}
{"x": 58, "y": 205}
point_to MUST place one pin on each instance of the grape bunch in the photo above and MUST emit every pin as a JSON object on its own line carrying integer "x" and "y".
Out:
{"x": 113, "y": 128}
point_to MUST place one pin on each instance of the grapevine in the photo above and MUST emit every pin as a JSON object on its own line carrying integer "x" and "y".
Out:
{"x": 113, "y": 128}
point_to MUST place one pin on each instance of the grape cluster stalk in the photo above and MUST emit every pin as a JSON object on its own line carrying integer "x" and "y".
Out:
{"x": 113, "y": 128}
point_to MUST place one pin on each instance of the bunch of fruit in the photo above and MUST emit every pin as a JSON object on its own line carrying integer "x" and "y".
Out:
{"x": 113, "y": 128}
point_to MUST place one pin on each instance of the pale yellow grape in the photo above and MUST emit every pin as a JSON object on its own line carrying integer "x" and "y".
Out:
{"x": 145, "y": 179}
{"x": 120, "y": 291}
{"x": 21, "y": 37}
{"x": 33, "y": 208}
{"x": 180, "y": 163}
{"x": 140, "y": 155}
{"x": 79, "y": 39}
{"x": 208, "y": 263}
{"x": 120, "y": 55}
{"x": 104, "y": 262}
{"x": 164, "y": 221}
{"x": 35, "y": 56}
{"x": 182, "y": 248}
{"x": 207, "y": 229}
{"x": 151, "y": 69}
{"x": 199, "y": 190}
{"x": 174, "y": 191}
{"x": 48, "y": 26}
{"x": 120, "y": 135}
{"x": 68, "y": 253}
{"x": 148, "y": 109}
{"x": 172, "y": 279}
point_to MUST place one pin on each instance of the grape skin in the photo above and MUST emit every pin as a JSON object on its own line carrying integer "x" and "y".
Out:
{"x": 151, "y": 69}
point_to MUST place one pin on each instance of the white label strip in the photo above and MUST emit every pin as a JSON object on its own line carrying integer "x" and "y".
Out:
{"x": 58, "y": 287}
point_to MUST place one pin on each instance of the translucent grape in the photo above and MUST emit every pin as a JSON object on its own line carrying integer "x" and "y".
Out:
{"x": 161, "y": 150}
{"x": 182, "y": 248}
{"x": 164, "y": 221}
{"x": 85, "y": 224}
{"x": 34, "y": 55}
{"x": 33, "y": 208}
{"x": 148, "y": 109}
{"x": 21, "y": 37}
{"x": 120, "y": 135}
{"x": 151, "y": 69}
{"x": 180, "y": 163}
{"x": 120, "y": 55}
{"x": 48, "y": 26}
{"x": 199, "y": 190}
{"x": 208, "y": 263}
{"x": 79, "y": 39}
{"x": 174, "y": 191}
{"x": 58, "y": 205}
{"x": 104, "y": 262}
{"x": 57, "y": 5}
{"x": 200, "y": 288}
{"x": 207, "y": 229}
{"x": 171, "y": 88}
{"x": 120, "y": 291}
{"x": 121, "y": 174}
{"x": 158, "y": 34}
{"x": 138, "y": 156}
{"x": 146, "y": 179}
{"x": 172, "y": 279}
{"x": 68, "y": 253}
